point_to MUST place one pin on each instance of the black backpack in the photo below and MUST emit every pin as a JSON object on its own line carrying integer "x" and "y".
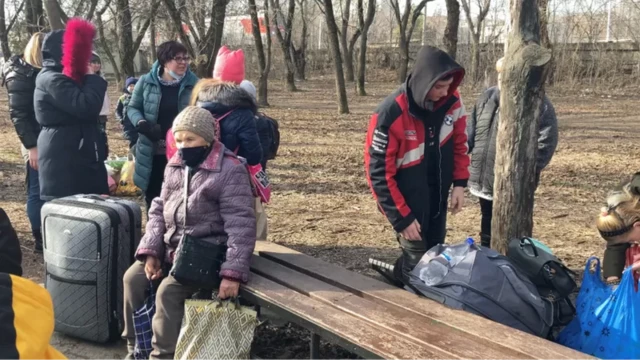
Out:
{"x": 273, "y": 134}
{"x": 553, "y": 279}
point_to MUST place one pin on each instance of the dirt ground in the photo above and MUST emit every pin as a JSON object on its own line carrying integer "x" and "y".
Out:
{"x": 322, "y": 206}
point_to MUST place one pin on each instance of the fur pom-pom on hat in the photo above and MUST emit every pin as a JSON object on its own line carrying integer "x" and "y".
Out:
{"x": 77, "y": 44}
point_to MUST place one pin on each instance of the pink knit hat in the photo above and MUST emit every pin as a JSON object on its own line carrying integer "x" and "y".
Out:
{"x": 229, "y": 65}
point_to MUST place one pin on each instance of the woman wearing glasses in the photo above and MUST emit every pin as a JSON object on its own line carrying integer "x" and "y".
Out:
{"x": 156, "y": 100}
{"x": 619, "y": 225}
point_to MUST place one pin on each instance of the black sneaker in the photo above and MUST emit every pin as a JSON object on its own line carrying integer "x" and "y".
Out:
{"x": 386, "y": 270}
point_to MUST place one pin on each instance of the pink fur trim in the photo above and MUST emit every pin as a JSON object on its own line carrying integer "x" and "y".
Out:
{"x": 77, "y": 44}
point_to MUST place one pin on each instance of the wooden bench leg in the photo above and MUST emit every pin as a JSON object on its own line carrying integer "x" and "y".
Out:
{"x": 315, "y": 346}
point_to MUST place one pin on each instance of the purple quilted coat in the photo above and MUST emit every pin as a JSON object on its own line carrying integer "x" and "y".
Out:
{"x": 221, "y": 208}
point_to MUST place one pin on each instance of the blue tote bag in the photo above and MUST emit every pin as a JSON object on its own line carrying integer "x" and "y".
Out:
{"x": 607, "y": 324}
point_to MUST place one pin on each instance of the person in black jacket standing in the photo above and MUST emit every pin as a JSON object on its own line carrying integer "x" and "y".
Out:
{"x": 72, "y": 147}
{"x": 19, "y": 77}
{"x": 482, "y": 130}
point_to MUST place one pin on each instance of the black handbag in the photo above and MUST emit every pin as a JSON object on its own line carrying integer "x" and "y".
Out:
{"x": 554, "y": 281}
{"x": 544, "y": 269}
{"x": 197, "y": 262}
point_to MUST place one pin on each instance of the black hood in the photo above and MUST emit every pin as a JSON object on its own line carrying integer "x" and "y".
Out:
{"x": 432, "y": 64}
{"x": 52, "y": 50}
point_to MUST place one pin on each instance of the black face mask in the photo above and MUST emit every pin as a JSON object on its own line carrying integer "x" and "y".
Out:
{"x": 193, "y": 156}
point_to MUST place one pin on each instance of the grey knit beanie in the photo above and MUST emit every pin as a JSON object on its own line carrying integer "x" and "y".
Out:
{"x": 197, "y": 120}
{"x": 249, "y": 87}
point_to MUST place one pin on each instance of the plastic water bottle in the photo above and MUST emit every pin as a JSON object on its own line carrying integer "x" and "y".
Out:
{"x": 438, "y": 267}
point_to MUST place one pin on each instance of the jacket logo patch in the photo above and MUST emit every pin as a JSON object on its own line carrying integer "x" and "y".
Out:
{"x": 411, "y": 135}
{"x": 379, "y": 141}
{"x": 448, "y": 120}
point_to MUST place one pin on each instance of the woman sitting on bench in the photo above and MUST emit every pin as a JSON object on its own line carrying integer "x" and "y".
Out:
{"x": 619, "y": 225}
{"x": 219, "y": 211}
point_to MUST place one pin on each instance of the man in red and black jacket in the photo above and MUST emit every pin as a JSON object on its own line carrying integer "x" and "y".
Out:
{"x": 415, "y": 150}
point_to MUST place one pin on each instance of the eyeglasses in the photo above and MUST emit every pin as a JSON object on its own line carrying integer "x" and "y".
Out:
{"x": 182, "y": 59}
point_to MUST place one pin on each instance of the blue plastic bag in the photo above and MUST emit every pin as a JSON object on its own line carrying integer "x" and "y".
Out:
{"x": 608, "y": 321}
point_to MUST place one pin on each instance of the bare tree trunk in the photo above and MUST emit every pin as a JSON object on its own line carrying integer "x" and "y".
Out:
{"x": 362, "y": 57}
{"x": 332, "y": 29}
{"x": 522, "y": 90}
{"x": 128, "y": 47}
{"x": 123, "y": 18}
{"x": 106, "y": 48}
{"x": 403, "y": 68}
{"x": 475, "y": 58}
{"x": 262, "y": 58}
{"x": 476, "y": 29}
{"x": 406, "y": 22}
{"x": 220, "y": 12}
{"x": 5, "y": 28}
{"x": 285, "y": 40}
{"x": 34, "y": 16}
{"x": 176, "y": 19}
{"x": 300, "y": 54}
{"x": 152, "y": 44}
{"x": 450, "y": 39}
{"x": 344, "y": 42}
{"x": 543, "y": 5}
{"x": 4, "y": 33}
{"x": 54, "y": 14}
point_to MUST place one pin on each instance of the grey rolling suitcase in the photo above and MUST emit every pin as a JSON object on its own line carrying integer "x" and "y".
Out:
{"x": 89, "y": 242}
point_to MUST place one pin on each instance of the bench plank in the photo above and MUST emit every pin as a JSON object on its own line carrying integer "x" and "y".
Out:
{"x": 375, "y": 342}
{"x": 433, "y": 335}
{"x": 391, "y": 296}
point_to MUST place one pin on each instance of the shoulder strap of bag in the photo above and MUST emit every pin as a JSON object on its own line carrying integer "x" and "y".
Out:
{"x": 217, "y": 122}
{"x": 186, "y": 198}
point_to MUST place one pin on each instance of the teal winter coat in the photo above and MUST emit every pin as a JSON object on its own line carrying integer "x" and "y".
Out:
{"x": 144, "y": 105}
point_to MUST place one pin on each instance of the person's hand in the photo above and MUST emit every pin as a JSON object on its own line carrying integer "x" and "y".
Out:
{"x": 457, "y": 199}
{"x": 33, "y": 158}
{"x": 636, "y": 263}
{"x": 152, "y": 267}
{"x": 152, "y": 131}
{"x": 228, "y": 289}
{"x": 412, "y": 232}
{"x": 90, "y": 69}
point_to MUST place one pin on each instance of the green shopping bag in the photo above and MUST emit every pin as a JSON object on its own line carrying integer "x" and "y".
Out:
{"x": 215, "y": 329}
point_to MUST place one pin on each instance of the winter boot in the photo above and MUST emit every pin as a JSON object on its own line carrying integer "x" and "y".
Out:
{"x": 485, "y": 240}
{"x": 37, "y": 236}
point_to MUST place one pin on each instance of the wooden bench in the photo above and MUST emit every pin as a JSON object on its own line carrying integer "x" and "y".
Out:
{"x": 377, "y": 320}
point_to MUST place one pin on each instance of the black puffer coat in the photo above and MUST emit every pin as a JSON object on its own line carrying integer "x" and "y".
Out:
{"x": 20, "y": 79}
{"x": 71, "y": 147}
{"x": 482, "y": 129}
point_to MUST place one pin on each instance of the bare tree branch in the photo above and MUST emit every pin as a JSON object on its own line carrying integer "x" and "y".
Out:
{"x": 15, "y": 16}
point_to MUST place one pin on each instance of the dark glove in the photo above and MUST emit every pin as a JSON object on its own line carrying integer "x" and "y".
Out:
{"x": 152, "y": 131}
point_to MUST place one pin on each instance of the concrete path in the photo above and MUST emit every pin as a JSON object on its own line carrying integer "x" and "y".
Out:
{"x": 80, "y": 349}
